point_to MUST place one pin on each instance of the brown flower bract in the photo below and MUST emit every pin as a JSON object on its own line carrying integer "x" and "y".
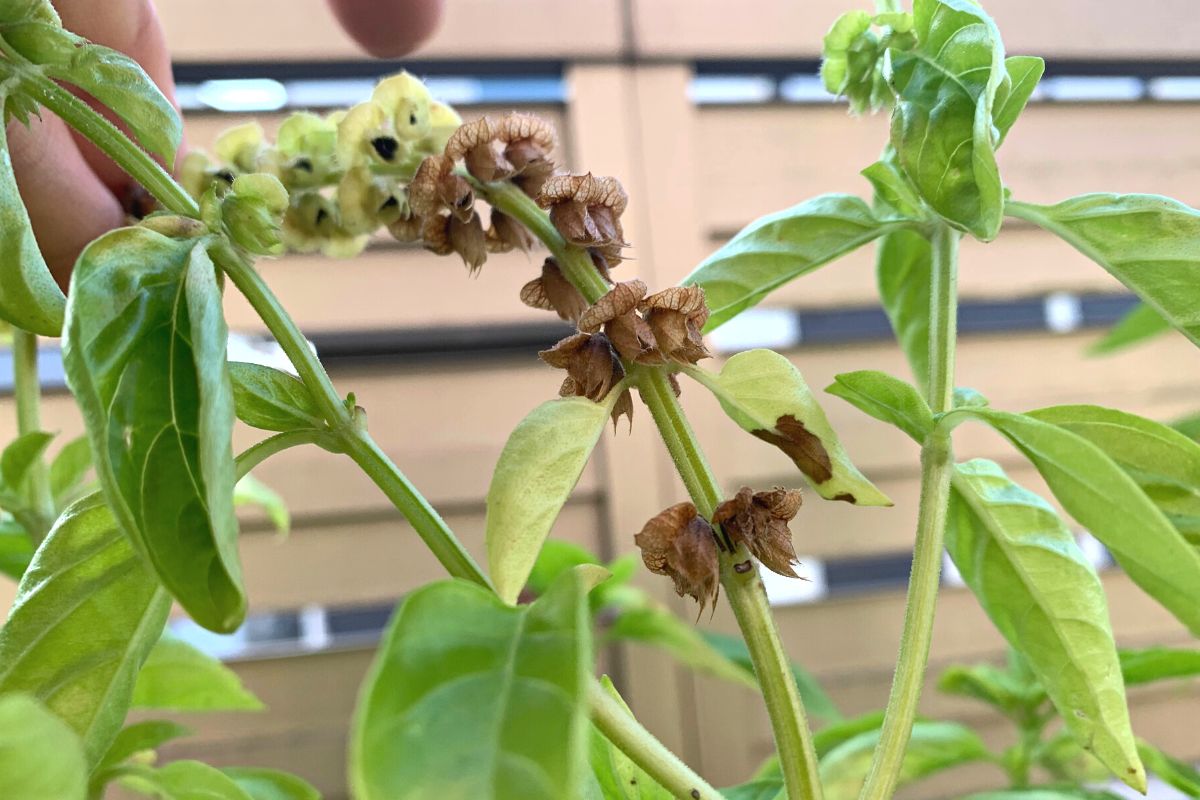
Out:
{"x": 435, "y": 187}
{"x": 592, "y": 366}
{"x": 676, "y": 317}
{"x": 616, "y": 313}
{"x": 585, "y": 209}
{"x": 760, "y": 520}
{"x": 679, "y": 543}
{"x": 553, "y": 292}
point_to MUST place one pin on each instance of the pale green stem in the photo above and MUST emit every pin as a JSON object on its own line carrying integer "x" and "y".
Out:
{"x": 620, "y": 728}
{"x": 744, "y": 590}
{"x": 27, "y": 388}
{"x": 254, "y": 455}
{"x": 636, "y": 742}
{"x": 937, "y": 467}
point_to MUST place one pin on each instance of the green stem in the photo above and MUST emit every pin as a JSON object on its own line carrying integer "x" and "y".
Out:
{"x": 744, "y": 590}
{"x": 27, "y": 387}
{"x": 432, "y": 529}
{"x": 251, "y": 457}
{"x": 620, "y": 728}
{"x": 937, "y": 467}
{"x": 115, "y": 144}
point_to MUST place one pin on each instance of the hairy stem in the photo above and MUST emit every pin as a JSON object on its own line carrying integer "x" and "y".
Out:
{"x": 115, "y": 144}
{"x": 937, "y": 467}
{"x": 620, "y": 728}
{"x": 744, "y": 590}
{"x": 254, "y": 455}
{"x": 27, "y": 387}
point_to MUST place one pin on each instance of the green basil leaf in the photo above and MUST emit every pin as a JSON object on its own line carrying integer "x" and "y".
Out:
{"x": 1189, "y": 426}
{"x": 86, "y": 615}
{"x": 828, "y": 738}
{"x": 139, "y": 738}
{"x": 988, "y": 683}
{"x": 657, "y": 626}
{"x": 817, "y": 703}
{"x": 271, "y": 784}
{"x": 29, "y": 296}
{"x": 1045, "y": 598}
{"x": 178, "y": 677}
{"x": 893, "y": 189}
{"x": 1140, "y": 324}
{"x": 40, "y": 757}
{"x": 20, "y": 455}
{"x": 942, "y": 128}
{"x": 904, "y": 274}
{"x": 885, "y": 398}
{"x": 1022, "y": 74}
{"x": 761, "y": 789}
{"x": 250, "y": 491}
{"x": 539, "y": 466}
{"x": 113, "y": 78}
{"x": 272, "y": 400}
{"x": 617, "y": 777}
{"x": 16, "y": 549}
{"x": 1158, "y": 663}
{"x": 1164, "y": 463}
{"x": 781, "y": 247}
{"x": 555, "y": 558}
{"x": 184, "y": 780}
{"x": 463, "y": 679}
{"x": 1057, "y": 793}
{"x": 144, "y": 354}
{"x": 69, "y": 467}
{"x": 1171, "y": 771}
{"x": 22, "y": 10}
{"x": 766, "y": 396}
{"x": 1106, "y": 501}
{"x": 934, "y": 746}
{"x": 1147, "y": 242}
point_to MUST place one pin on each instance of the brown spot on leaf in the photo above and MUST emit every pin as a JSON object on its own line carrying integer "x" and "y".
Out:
{"x": 845, "y": 497}
{"x": 801, "y": 446}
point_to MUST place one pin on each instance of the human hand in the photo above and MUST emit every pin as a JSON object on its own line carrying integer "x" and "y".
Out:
{"x": 73, "y": 192}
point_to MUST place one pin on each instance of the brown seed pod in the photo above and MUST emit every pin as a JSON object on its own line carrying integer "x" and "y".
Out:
{"x": 552, "y": 292}
{"x": 592, "y": 365}
{"x": 760, "y": 521}
{"x": 616, "y": 313}
{"x": 679, "y": 543}
{"x": 676, "y": 316}
{"x": 585, "y": 209}
{"x": 435, "y": 187}
{"x": 505, "y": 234}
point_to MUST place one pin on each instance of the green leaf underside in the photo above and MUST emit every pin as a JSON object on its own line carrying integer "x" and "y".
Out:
{"x": 988, "y": 683}
{"x": 112, "y": 77}
{"x": 658, "y": 626}
{"x": 1147, "y": 242}
{"x": 1172, "y": 771}
{"x": 86, "y": 615}
{"x": 250, "y": 491}
{"x": 1045, "y": 794}
{"x": 1022, "y": 76}
{"x": 178, "y": 677}
{"x": 16, "y": 549}
{"x": 1047, "y": 601}
{"x": 1158, "y": 663}
{"x": 40, "y": 757}
{"x": 69, "y": 467}
{"x": 1105, "y": 500}
{"x": 616, "y": 776}
{"x": 1163, "y": 462}
{"x": 904, "y": 276}
{"x": 781, "y": 247}
{"x": 145, "y": 357}
{"x": 184, "y": 780}
{"x": 272, "y": 400}
{"x": 29, "y": 296}
{"x": 766, "y": 396}
{"x": 471, "y": 699}
{"x": 140, "y": 737}
{"x": 1139, "y": 325}
{"x": 934, "y": 746}
{"x": 942, "y": 126}
{"x": 19, "y": 456}
{"x": 271, "y": 784}
{"x": 538, "y": 468}
{"x": 887, "y": 399}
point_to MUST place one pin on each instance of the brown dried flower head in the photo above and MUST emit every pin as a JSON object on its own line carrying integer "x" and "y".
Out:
{"x": 592, "y": 366}
{"x": 553, "y": 292}
{"x": 585, "y": 209}
{"x": 435, "y": 187}
{"x": 505, "y": 234}
{"x": 676, "y": 316}
{"x": 616, "y": 312}
{"x": 679, "y": 543}
{"x": 760, "y": 520}
{"x": 445, "y": 234}
{"x": 529, "y": 144}
{"x": 476, "y": 144}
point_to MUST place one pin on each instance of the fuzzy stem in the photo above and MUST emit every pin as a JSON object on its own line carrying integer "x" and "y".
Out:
{"x": 254, "y": 455}
{"x": 744, "y": 590}
{"x": 27, "y": 389}
{"x": 937, "y": 467}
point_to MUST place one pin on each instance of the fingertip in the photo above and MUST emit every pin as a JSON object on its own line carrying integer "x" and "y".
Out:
{"x": 389, "y": 28}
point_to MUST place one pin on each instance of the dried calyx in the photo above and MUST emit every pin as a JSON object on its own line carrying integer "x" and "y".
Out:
{"x": 680, "y": 544}
{"x": 760, "y": 521}
{"x": 593, "y": 370}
